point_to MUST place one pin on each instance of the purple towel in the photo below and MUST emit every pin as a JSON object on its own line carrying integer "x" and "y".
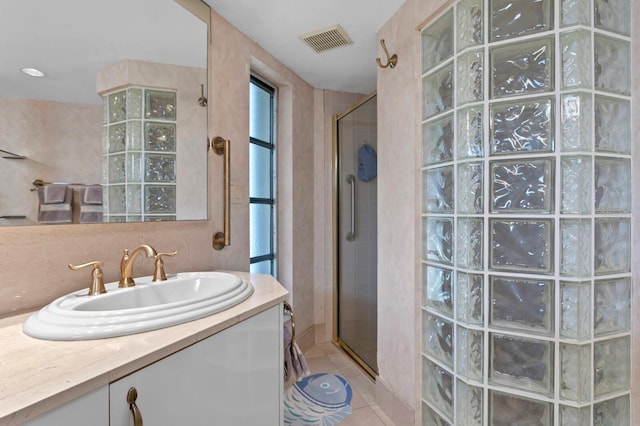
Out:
{"x": 91, "y": 209}
{"x": 92, "y": 194}
{"x": 54, "y": 194}
{"x": 55, "y": 212}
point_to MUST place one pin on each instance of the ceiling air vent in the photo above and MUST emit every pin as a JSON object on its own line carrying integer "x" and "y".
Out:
{"x": 326, "y": 39}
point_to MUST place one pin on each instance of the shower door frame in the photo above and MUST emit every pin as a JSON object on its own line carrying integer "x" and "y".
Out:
{"x": 335, "y": 174}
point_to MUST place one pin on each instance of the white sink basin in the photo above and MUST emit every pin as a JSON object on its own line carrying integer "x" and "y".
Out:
{"x": 146, "y": 306}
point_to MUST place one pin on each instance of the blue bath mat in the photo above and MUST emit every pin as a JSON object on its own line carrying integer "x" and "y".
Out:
{"x": 318, "y": 400}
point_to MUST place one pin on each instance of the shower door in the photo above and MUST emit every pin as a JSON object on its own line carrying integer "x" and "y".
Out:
{"x": 357, "y": 252}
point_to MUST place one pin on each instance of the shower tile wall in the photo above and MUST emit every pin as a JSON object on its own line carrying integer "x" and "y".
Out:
{"x": 526, "y": 208}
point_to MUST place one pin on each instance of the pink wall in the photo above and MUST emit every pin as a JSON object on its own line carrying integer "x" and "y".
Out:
{"x": 398, "y": 194}
{"x": 47, "y": 133}
{"x": 233, "y": 58}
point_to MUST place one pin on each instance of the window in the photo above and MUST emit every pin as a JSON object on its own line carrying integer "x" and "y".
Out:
{"x": 262, "y": 172}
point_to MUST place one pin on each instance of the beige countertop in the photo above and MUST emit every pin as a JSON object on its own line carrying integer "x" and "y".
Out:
{"x": 39, "y": 375}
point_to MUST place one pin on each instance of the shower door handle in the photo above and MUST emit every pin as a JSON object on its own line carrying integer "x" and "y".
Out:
{"x": 351, "y": 235}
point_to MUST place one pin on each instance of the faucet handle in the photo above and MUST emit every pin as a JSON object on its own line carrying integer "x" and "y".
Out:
{"x": 158, "y": 271}
{"x": 97, "y": 283}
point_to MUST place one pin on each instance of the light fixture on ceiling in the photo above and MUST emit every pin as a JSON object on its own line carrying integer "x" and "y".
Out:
{"x": 33, "y": 72}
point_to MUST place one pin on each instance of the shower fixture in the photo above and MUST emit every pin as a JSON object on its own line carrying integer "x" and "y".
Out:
{"x": 202, "y": 101}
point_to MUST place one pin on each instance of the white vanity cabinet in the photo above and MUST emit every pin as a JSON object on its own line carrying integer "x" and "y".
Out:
{"x": 223, "y": 369}
{"x": 90, "y": 409}
{"x": 231, "y": 378}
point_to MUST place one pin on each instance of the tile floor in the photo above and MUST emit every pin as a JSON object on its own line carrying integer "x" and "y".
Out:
{"x": 328, "y": 358}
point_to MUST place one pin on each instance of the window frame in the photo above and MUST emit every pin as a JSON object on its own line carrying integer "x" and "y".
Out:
{"x": 271, "y": 256}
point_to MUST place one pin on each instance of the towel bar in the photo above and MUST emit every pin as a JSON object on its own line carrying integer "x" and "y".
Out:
{"x": 221, "y": 146}
{"x": 11, "y": 156}
{"x": 39, "y": 183}
{"x": 287, "y": 307}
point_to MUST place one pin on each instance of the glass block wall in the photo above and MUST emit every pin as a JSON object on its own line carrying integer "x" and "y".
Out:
{"x": 139, "y": 168}
{"x": 526, "y": 202}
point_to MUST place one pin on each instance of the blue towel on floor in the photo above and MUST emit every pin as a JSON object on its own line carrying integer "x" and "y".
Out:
{"x": 322, "y": 399}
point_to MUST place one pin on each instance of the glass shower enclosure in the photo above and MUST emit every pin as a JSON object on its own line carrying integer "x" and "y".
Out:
{"x": 356, "y": 184}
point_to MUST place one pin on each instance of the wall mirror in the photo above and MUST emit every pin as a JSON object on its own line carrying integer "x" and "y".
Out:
{"x": 122, "y": 105}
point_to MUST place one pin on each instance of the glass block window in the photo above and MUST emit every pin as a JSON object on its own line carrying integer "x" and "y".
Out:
{"x": 262, "y": 174}
{"x": 515, "y": 18}
{"x": 140, "y": 155}
{"x": 525, "y": 209}
{"x": 160, "y": 105}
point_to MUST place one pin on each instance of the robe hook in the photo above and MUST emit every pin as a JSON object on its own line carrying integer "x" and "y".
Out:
{"x": 391, "y": 61}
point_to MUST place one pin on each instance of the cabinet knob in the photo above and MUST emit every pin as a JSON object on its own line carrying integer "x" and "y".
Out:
{"x": 132, "y": 395}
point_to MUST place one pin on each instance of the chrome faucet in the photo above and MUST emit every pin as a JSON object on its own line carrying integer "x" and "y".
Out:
{"x": 126, "y": 264}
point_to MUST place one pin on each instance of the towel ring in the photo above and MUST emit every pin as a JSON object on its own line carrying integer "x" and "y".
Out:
{"x": 287, "y": 307}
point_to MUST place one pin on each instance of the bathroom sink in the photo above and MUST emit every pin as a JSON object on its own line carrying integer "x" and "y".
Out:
{"x": 146, "y": 306}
